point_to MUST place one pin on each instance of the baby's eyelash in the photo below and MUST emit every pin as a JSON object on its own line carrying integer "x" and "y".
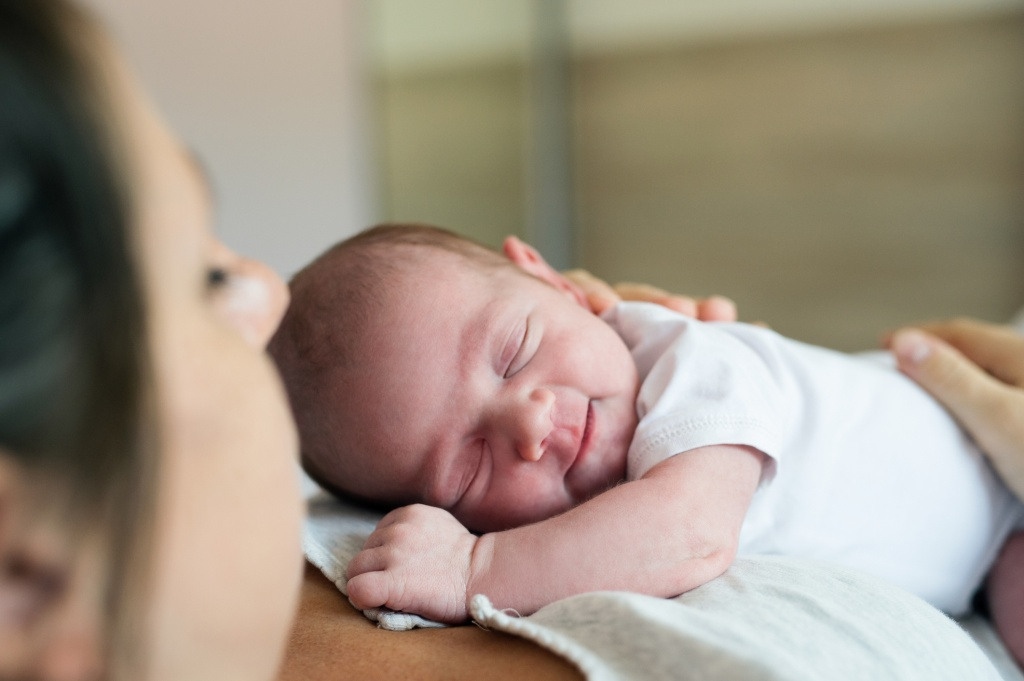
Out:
{"x": 515, "y": 363}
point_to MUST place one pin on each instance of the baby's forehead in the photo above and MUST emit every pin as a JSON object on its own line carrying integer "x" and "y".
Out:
{"x": 421, "y": 270}
{"x": 474, "y": 259}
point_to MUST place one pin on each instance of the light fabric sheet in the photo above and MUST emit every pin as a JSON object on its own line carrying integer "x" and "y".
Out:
{"x": 766, "y": 618}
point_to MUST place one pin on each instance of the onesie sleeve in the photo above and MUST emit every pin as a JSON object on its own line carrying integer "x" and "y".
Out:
{"x": 703, "y": 384}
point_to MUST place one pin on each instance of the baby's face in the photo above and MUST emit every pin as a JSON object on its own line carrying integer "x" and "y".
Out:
{"x": 490, "y": 394}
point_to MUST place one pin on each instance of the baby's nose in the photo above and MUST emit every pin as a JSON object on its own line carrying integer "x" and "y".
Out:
{"x": 535, "y": 424}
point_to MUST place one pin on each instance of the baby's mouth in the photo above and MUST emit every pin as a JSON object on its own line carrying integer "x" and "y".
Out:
{"x": 585, "y": 437}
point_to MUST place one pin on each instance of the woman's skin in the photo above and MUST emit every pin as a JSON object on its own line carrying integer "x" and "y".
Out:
{"x": 332, "y": 641}
{"x": 43, "y": 635}
{"x": 228, "y": 555}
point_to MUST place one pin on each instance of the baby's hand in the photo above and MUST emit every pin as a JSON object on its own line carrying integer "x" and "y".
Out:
{"x": 417, "y": 560}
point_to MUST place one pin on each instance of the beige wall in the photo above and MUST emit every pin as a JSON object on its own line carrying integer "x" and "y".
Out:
{"x": 269, "y": 94}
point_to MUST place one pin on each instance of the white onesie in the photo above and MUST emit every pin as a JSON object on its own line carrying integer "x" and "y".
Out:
{"x": 865, "y": 468}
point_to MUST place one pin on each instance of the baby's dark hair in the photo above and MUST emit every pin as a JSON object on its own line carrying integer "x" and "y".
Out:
{"x": 334, "y": 301}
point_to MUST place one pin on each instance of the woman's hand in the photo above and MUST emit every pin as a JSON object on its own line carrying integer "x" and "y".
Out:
{"x": 600, "y": 296}
{"x": 977, "y": 371}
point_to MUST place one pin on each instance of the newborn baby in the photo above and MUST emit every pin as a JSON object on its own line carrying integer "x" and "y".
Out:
{"x": 638, "y": 451}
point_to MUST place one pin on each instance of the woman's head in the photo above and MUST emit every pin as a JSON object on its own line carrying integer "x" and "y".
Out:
{"x": 143, "y": 432}
{"x": 72, "y": 370}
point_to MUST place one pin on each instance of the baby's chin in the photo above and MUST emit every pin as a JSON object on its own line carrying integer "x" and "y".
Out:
{"x": 616, "y": 453}
{"x": 501, "y": 521}
{"x": 611, "y": 472}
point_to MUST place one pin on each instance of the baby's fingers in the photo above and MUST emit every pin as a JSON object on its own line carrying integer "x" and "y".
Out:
{"x": 367, "y": 560}
{"x": 394, "y": 516}
{"x": 394, "y": 526}
{"x": 369, "y": 590}
{"x": 372, "y": 579}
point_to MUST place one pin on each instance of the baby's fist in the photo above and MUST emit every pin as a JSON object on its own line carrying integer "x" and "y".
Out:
{"x": 416, "y": 560}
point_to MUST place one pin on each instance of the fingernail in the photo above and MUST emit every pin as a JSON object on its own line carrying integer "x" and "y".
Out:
{"x": 911, "y": 346}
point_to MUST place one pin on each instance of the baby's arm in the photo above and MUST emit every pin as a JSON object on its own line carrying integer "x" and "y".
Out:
{"x": 668, "y": 532}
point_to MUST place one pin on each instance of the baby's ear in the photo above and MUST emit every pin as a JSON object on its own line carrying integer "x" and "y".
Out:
{"x": 527, "y": 258}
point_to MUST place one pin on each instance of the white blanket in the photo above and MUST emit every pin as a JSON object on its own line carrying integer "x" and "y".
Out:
{"x": 766, "y": 618}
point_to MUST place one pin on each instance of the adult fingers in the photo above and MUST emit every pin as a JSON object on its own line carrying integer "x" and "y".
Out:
{"x": 717, "y": 309}
{"x": 646, "y": 293}
{"x": 956, "y": 381}
{"x": 991, "y": 410}
{"x": 600, "y": 296}
{"x": 997, "y": 349}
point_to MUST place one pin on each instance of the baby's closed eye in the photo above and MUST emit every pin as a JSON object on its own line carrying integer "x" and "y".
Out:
{"x": 511, "y": 356}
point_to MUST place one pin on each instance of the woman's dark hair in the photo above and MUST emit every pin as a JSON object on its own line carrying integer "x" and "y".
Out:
{"x": 73, "y": 368}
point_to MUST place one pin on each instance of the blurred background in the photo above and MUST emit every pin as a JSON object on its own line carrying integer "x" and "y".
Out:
{"x": 837, "y": 167}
